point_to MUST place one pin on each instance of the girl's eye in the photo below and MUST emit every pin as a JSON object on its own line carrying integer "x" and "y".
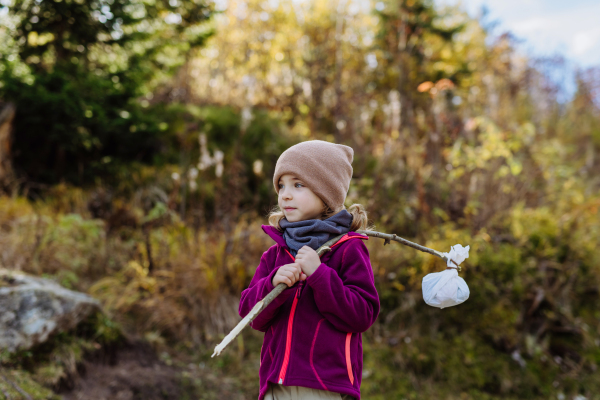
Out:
{"x": 297, "y": 184}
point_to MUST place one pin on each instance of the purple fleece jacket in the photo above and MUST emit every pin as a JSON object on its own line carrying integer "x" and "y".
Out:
{"x": 313, "y": 329}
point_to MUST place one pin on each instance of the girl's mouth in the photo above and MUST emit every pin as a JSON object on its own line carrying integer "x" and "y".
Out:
{"x": 289, "y": 208}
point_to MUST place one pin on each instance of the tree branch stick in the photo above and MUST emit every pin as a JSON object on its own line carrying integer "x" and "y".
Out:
{"x": 388, "y": 237}
{"x": 261, "y": 305}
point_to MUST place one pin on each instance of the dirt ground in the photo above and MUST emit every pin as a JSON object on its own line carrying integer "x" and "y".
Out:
{"x": 136, "y": 372}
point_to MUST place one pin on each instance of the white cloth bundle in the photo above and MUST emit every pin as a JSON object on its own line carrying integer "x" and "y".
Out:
{"x": 446, "y": 288}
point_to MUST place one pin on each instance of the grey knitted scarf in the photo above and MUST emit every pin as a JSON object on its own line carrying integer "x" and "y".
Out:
{"x": 314, "y": 232}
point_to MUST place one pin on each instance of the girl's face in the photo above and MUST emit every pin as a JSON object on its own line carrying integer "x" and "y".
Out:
{"x": 297, "y": 201}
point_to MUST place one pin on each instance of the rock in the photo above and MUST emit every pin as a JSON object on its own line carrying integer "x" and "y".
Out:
{"x": 32, "y": 309}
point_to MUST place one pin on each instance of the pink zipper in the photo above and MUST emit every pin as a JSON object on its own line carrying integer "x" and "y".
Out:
{"x": 348, "y": 360}
{"x": 288, "y": 339}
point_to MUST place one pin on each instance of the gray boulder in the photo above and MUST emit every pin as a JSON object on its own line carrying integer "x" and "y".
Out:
{"x": 32, "y": 309}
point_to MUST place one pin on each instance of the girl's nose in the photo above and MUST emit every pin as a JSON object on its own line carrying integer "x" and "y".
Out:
{"x": 285, "y": 194}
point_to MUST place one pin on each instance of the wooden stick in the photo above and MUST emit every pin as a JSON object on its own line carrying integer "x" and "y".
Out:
{"x": 261, "y": 305}
{"x": 388, "y": 237}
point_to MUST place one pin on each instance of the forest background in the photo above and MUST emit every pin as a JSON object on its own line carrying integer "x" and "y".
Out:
{"x": 138, "y": 141}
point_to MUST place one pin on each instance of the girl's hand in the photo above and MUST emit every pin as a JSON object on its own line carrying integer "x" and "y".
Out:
{"x": 288, "y": 274}
{"x": 308, "y": 259}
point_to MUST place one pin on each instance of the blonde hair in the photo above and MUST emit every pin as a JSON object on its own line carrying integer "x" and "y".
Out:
{"x": 358, "y": 212}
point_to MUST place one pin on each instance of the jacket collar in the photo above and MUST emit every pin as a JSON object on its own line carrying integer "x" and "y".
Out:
{"x": 276, "y": 235}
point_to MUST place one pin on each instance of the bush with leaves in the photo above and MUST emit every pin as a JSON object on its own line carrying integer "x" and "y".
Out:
{"x": 78, "y": 72}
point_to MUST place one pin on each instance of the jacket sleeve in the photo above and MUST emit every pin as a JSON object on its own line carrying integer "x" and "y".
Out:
{"x": 349, "y": 301}
{"x": 260, "y": 286}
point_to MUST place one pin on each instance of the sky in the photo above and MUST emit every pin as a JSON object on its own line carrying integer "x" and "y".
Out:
{"x": 547, "y": 27}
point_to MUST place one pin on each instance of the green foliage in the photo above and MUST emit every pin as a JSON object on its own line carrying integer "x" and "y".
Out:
{"x": 525, "y": 331}
{"x": 76, "y": 75}
{"x": 26, "y": 383}
{"x": 120, "y": 36}
{"x": 95, "y": 126}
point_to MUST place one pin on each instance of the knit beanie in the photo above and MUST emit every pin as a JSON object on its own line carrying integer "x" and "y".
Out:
{"x": 325, "y": 168}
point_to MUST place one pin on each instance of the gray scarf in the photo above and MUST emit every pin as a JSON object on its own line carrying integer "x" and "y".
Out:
{"x": 314, "y": 232}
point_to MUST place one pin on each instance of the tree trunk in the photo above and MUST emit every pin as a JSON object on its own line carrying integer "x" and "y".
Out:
{"x": 7, "y": 114}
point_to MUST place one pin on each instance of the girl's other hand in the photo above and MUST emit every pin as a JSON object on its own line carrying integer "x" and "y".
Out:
{"x": 288, "y": 274}
{"x": 308, "y": 259}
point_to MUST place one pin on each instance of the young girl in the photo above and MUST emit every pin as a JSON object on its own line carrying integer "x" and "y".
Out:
{"x": 312, "y": 347}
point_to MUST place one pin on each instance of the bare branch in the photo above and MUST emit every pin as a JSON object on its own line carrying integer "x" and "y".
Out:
{"x": 388, "y": 237}
{"x": 261, "y": 305}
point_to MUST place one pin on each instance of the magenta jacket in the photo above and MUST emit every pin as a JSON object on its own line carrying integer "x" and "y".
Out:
{"x": 313, "y": 329}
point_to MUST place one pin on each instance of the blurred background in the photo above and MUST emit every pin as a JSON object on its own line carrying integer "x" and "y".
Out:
{"x": 137, "y": 144}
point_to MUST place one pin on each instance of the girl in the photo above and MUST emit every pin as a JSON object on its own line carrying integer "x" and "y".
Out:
{"x": 312, "y": 347}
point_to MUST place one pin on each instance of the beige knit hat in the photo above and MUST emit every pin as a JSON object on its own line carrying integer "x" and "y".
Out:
{"x": 325, "y": 168}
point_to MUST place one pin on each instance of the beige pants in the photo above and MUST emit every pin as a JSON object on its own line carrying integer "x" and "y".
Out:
{"x": 280, "y": 392}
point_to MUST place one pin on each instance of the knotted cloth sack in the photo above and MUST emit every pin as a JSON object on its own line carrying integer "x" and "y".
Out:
{"x": 446, "y": 288}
